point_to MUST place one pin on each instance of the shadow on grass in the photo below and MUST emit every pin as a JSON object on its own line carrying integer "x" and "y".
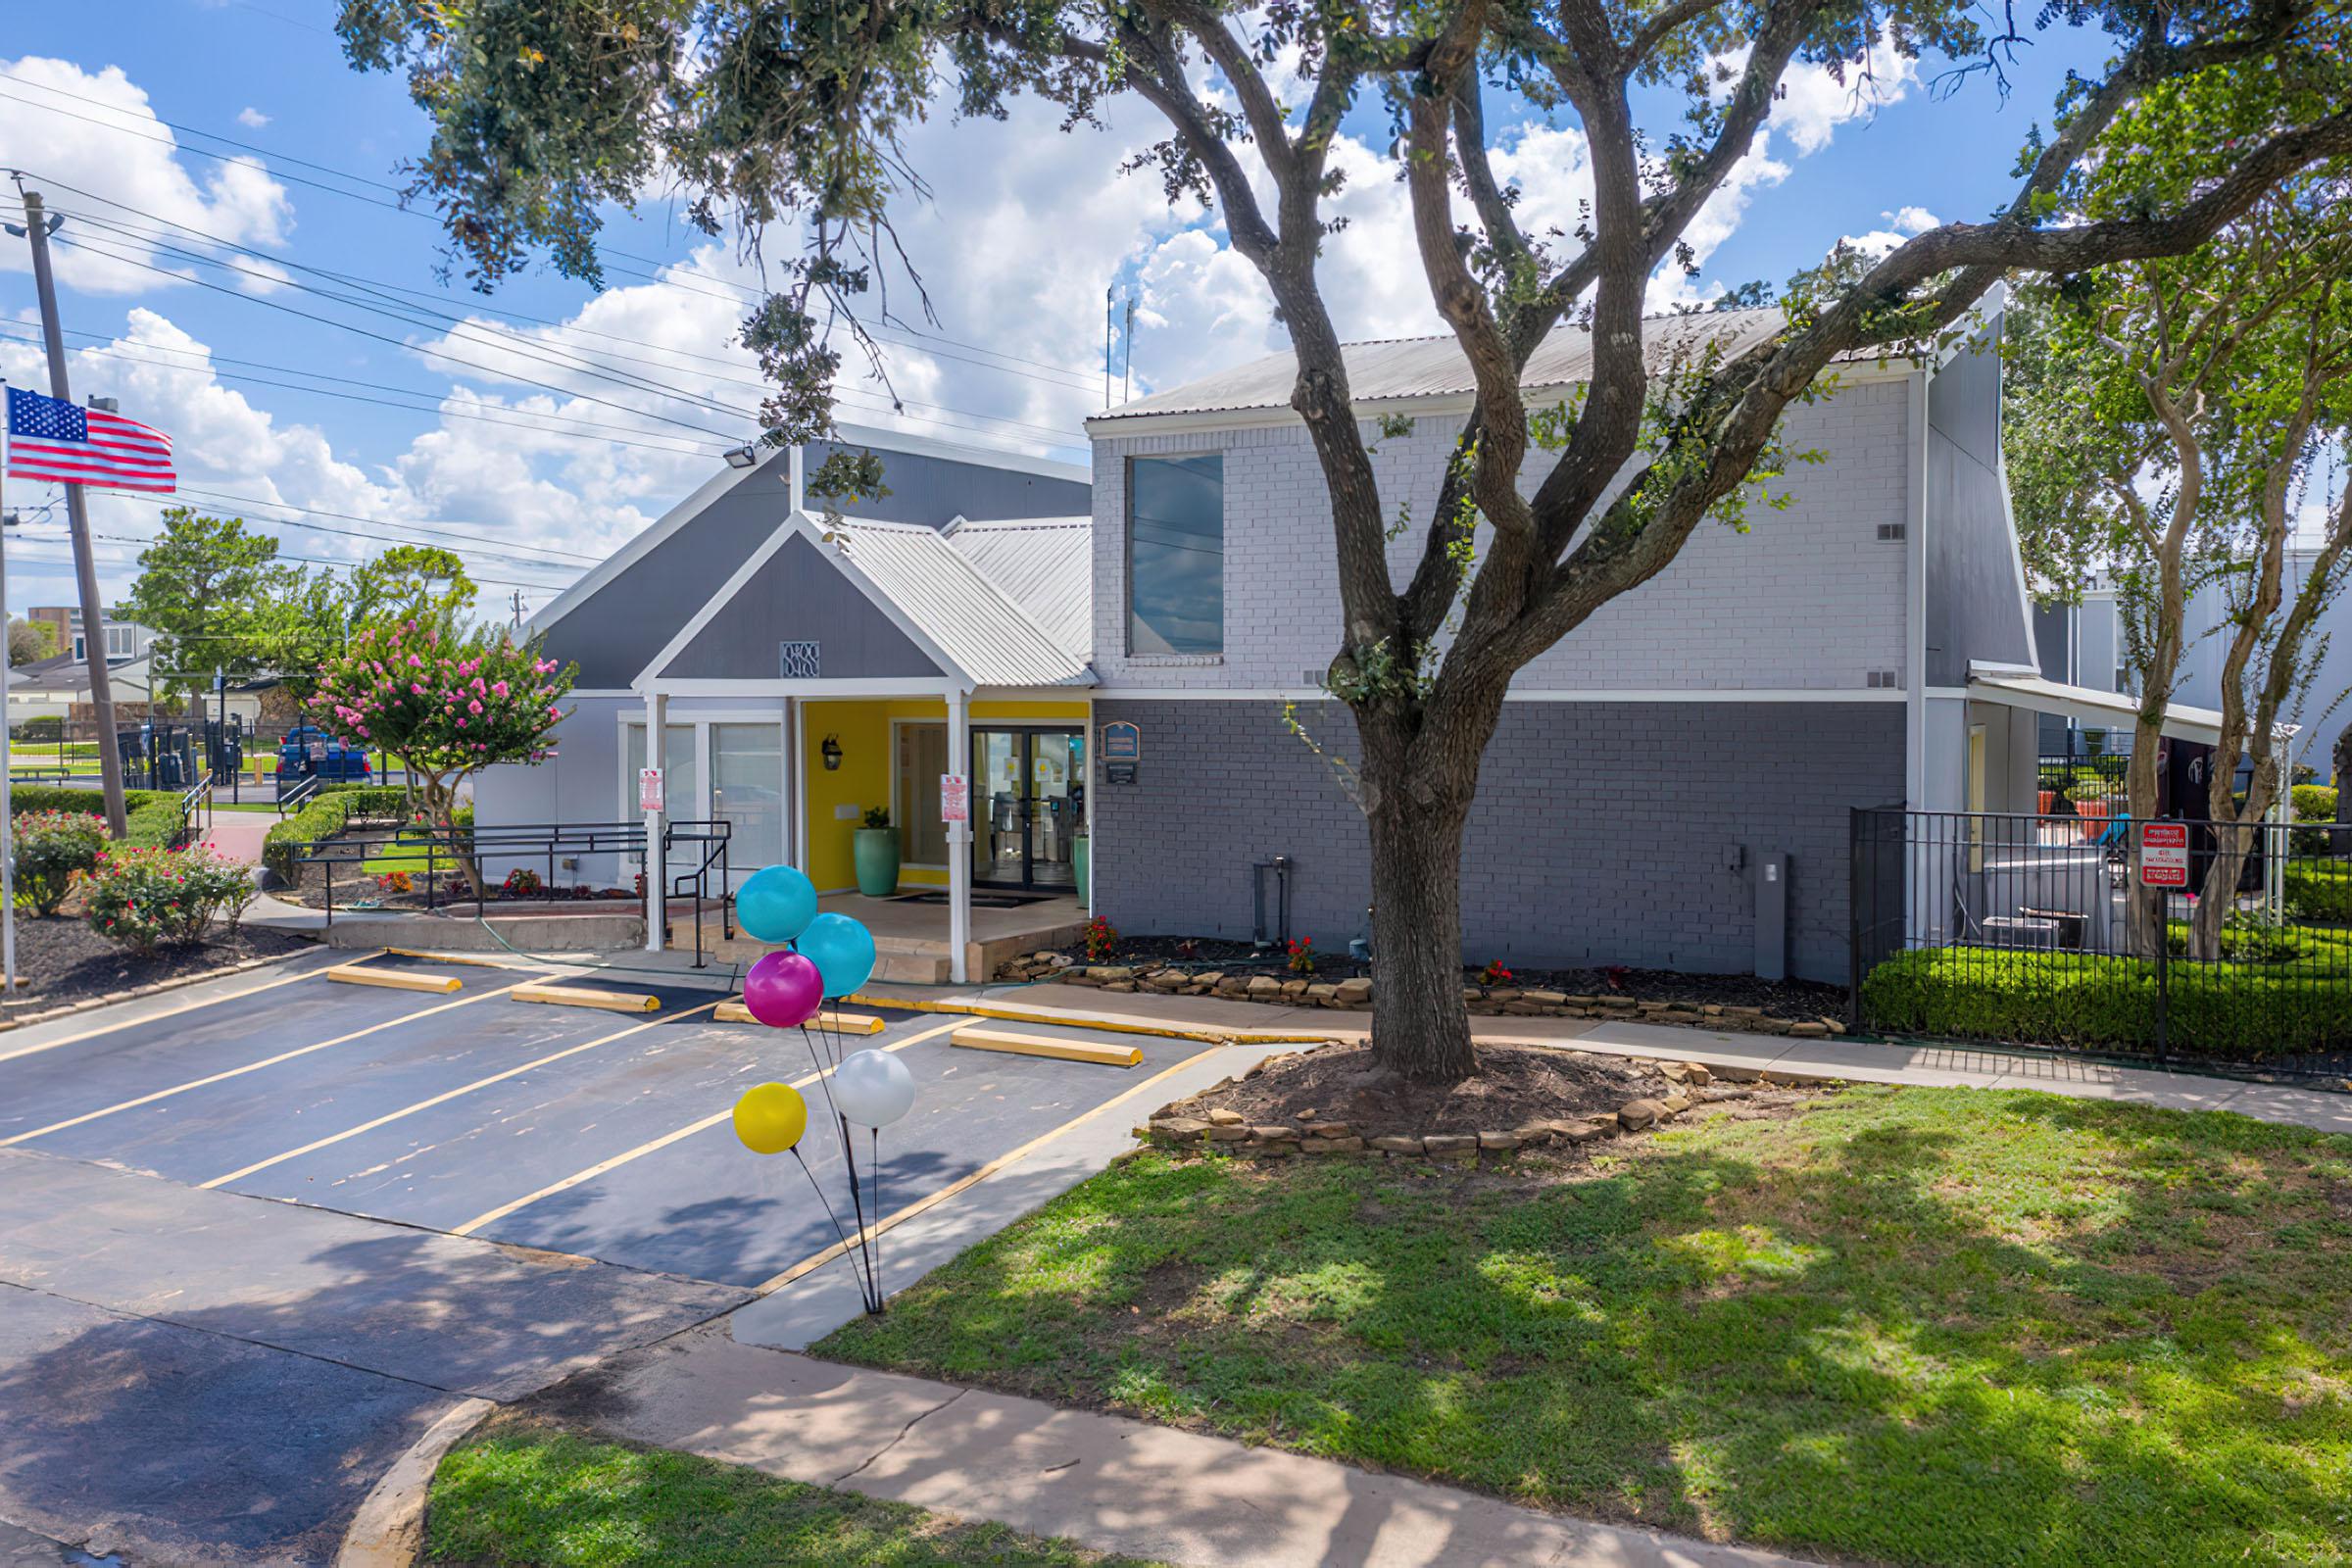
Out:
{"x": 1950, "y": 1327}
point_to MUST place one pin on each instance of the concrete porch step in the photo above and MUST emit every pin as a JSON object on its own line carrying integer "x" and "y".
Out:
{"x": 912, "y": 969}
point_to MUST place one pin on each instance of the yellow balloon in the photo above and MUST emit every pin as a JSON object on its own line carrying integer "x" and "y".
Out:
{"x": 769, "y": 1118}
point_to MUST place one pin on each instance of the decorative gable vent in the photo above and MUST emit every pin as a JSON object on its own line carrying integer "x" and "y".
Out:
{"x": 1890, "y": 530}
{"x": 799, "y": 661}
{"x": 1883, "y": 680}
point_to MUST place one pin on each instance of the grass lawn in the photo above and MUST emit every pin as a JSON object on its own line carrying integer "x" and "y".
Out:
{"x": 521, "y": 1492}
{"x": 1918, "y": 1326}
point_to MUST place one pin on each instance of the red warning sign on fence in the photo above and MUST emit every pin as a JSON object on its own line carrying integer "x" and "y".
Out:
{"x": 2164, "y": 854}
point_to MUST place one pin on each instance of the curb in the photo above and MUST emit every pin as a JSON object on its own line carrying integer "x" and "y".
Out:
{"x": 177, "y": 982}
{"x": 1072, "y": 1020}
{"x": 388, "y": 1531}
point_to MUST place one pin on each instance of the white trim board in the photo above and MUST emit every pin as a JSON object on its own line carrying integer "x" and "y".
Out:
{"x": 1311, "y": 694}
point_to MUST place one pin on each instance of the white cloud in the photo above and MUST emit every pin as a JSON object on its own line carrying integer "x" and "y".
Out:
{"x": 1814, "y": 103}
{"x": 1901, "y": 224}
{"x": 252, "y": 118}
{"x": 135, "y": 165}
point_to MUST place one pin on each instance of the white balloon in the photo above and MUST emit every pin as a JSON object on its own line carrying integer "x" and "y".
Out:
{"x": 872, "y": 1088}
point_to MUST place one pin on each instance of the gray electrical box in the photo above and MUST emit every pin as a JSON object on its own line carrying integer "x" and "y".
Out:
{"x": 1772, "y": 915}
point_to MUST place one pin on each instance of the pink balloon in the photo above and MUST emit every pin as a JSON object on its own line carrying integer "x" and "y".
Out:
{"x": 783, "y": 990}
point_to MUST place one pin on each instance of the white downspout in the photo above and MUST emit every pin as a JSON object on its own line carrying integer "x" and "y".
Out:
{"x": 959, "y": 838}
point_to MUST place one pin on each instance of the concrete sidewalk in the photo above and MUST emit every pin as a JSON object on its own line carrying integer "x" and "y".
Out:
{"x": 1104, "y": 1481}
{"x": 1830, "y": 1056}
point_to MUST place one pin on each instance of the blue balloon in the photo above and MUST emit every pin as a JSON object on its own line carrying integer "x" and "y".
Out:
{"x": 776, "y": 903}
{"x": 842, "y": 949}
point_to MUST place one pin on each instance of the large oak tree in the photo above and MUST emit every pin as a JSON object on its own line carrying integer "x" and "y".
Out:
{"x": 794, "y": 112}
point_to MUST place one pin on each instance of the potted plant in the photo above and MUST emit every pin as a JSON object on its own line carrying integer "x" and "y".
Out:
{"x": 1082, "y": 866}
{"x": 875, "y": 848}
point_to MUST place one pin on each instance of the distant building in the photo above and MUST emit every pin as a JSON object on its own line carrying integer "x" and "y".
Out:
{"x": 125, "y": 639}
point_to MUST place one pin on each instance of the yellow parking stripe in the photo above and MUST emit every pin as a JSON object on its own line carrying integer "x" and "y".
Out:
{"x": 603, "y": 1166}
{"x": 153, "y": 1017}
{"x": 447, "y": 1095}
{"x": 252, "y": 1066}
{"x": 818, "y": 1261}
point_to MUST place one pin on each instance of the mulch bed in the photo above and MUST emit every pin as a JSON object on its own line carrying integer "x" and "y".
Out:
{"x": 1515, "y": 1087}
{"x": 63, "y": 960}
{"x": 1796, "y": 1000}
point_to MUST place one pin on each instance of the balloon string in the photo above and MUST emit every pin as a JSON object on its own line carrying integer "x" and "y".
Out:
{"x": 826, "y": 1205}
{"x": 824, "y": 1077}
{"x": 858, "y": 1208}
{"x": 873, "y": 1165}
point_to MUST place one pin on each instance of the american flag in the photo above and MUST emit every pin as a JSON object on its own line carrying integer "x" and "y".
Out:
{"x": 49, "y": 438}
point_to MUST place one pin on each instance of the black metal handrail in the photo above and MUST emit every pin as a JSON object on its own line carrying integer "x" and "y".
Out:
{"x": 714, "y": 854}
{"x": 292, "y": 797}
{"x": 464, "y": 848}
{"x": 194, "y": 803}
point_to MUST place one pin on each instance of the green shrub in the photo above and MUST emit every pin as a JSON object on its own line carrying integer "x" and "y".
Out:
{"x": 2320, "y": 890}
{"x": 2093, "y": 790}
{"x": 2234, "y": 1009}
{"x": 332, "y": 810}
{"x": 2314, "y": 803}
{"x": 46, "y": 730}
{"x": 149, "y": 898}
{"x": 23, "y": 798}
{"x": 52, "y": 848}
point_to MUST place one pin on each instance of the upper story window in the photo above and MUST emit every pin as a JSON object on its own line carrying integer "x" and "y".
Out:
{"x": 1176, "y": 555}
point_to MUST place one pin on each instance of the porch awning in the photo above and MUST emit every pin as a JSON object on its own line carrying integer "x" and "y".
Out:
{"x": 2119, "y": 710}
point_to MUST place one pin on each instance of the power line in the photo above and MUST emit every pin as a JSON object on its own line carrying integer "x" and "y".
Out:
{"x": 591, "y": 431}
{"x": 401, "y": 205}
{"x": 731, "y": 438}
{"x": 453, "y": 325}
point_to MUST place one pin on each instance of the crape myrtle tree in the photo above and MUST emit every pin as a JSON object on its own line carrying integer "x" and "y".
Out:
{"x": 2169, "y": 416}
{"x": 792, "y": 114}
{"x": 448, "y": 703}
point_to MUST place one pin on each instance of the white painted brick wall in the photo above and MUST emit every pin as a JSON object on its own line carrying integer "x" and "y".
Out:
{"x": 1811, "y": 598}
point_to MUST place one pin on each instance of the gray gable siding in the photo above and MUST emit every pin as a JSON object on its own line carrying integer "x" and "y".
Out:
{"x": 935, "y": 491}
{"x": 1975, "y": 609}
{"x": 797, "y": 595}
{"x": 616, "y": 631}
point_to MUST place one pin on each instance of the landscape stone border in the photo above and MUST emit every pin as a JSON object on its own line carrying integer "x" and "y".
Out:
{"x": 176, "y": 982}
{"x": 1354, "y": 994}
{"x": 1225, "y": 1131}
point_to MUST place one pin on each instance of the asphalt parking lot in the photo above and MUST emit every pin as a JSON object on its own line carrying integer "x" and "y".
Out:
{"x": 255, "y": 1238}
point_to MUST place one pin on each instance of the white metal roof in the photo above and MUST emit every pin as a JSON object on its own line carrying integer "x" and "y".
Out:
{"x": 982, "y": 627}
{"x": 2040, "y": 695}
{"x": 1435, "y": 367}
{"x": 1043, "y": 565}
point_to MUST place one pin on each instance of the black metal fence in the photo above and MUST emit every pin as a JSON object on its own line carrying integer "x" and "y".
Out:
{"x": 453, "y": 867}
{"x": 2090, "y": 785}
{"x": 156, "y": 754}
{"x": 2042, "y": 929}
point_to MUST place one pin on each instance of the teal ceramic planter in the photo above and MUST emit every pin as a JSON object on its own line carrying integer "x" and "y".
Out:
{"x": 876, "y": 853}
{"x": 1082, "y": 860}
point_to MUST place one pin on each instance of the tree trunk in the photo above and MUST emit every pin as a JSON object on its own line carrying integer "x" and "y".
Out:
{"x": 1420, "y": 1027}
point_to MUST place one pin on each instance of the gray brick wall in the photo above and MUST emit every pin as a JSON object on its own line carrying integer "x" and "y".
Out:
{"x": 1809, "y": 598}
{"x": 1600, "y": 833}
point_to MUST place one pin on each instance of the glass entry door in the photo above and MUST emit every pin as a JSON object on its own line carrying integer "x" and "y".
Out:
{"x": 1028, "y": 800}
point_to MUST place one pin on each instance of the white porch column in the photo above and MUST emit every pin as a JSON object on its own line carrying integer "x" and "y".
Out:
{"x": 657, "y": 906}
{"x": 959, "y": 838}
{"x": 796, "y": 788}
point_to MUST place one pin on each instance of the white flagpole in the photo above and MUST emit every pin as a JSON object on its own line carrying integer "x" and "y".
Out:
{"x": 8, "y": 820}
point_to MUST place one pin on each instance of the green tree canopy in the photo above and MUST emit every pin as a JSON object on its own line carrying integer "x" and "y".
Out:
{"x": 211, "y": 589}
{"x": 407, "y": 582}
{"x": 793, "y": 113}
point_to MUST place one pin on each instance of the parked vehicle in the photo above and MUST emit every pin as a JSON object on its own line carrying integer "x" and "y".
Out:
{"x": 307, "y": 750}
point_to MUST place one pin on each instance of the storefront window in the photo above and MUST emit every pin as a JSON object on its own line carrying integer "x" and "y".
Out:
{"x": 747, "y": 787}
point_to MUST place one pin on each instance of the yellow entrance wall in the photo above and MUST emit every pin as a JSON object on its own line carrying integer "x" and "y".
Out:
{"x": 863, "y": 729}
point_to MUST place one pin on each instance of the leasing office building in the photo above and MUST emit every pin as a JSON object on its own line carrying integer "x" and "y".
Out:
{"x": 1695, "y": 741}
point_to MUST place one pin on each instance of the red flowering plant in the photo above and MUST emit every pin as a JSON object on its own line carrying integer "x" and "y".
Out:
{"x": 1101, "y": 940}
{"x": 1494, "y": 974}
{"x": 151, "y": 898}
{"x": 1302, "y": 954}
{"x": 446, "y": 703}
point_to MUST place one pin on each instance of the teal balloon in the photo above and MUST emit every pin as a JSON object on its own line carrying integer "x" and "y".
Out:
{"x": 842, "y": 949}
{"x": 776, "y": 903}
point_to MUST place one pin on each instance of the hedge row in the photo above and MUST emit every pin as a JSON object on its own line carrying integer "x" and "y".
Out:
{"x": 325, "y": 814}
{"x": 2239, "y": 1011}
{"x": 151, "y": 816}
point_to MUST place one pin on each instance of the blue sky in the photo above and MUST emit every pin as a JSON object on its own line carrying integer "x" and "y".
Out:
{"x": 1028, "y": 229}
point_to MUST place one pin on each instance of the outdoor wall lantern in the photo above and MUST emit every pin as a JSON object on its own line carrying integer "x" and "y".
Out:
{"x": 832, "y": 753}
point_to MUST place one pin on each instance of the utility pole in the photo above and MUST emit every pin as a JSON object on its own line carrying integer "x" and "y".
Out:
{"x": 516, "y": 597}
{"x": 1127, "y": 359}
{"x": 78, "y": 514}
